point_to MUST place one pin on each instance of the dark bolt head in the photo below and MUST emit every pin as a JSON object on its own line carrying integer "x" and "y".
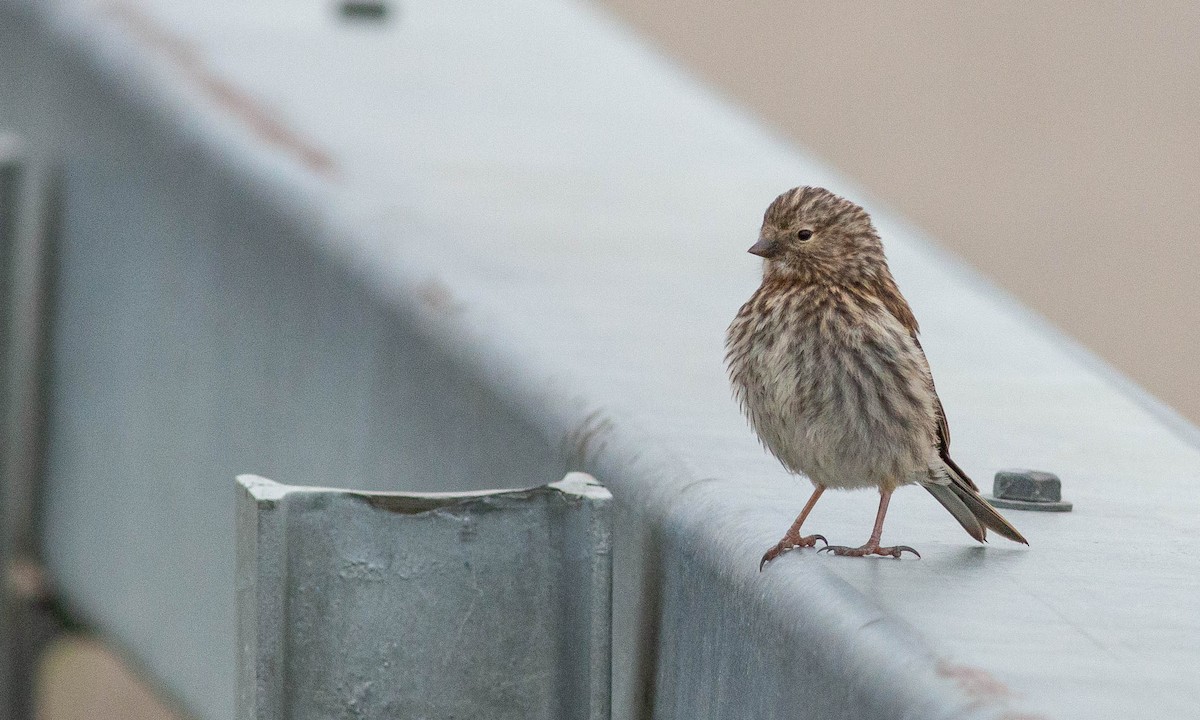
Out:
{"x": 1027, "y": 485}
{"x": 364, "y": 9}
{"x": 1028, "y": 490}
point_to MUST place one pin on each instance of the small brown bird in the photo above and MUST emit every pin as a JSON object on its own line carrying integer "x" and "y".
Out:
{"x": 825, "y": 362}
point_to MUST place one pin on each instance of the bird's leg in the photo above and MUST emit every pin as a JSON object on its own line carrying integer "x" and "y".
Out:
{"x": 792, "y": 538}
{"x": 872, "y": 546}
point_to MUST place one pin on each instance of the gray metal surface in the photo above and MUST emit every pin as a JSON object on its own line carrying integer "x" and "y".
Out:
{"x": 503, "y": 240}
{"x": 492, "y": 604}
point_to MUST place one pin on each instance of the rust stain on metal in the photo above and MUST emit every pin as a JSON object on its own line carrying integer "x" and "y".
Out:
{"x": 982, "y": 688}
{"x": 223, "y": 93}
{"x": 436, "y": 296}
{"x": 977, "y": 683}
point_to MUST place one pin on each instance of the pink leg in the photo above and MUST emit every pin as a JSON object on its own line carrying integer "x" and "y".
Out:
{"x": 872, "y": 546}
{"x": 792, "y": 538}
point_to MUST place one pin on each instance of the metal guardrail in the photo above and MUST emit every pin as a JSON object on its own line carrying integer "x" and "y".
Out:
{"x": 440, "y": 605}
{"x": 311, "y": 271}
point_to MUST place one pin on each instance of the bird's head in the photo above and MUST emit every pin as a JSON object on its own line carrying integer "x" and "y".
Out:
{"x": 808, "y": 232}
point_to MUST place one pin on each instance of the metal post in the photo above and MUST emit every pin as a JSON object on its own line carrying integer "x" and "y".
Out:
{"x": 27, "y": 250}
{"x": 485, "y": 604}
{"x": 11, "y": 173}
{"x": 11, "y": 170}
{"x": 31, "y": 278}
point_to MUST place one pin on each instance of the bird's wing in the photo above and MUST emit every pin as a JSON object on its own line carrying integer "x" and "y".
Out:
{"x": 961, "y": 495}
{"x": 895, "y": 304}
{"x": 943, "y": 426}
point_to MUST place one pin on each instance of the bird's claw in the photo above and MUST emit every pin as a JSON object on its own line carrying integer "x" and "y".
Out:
{"x": 788, "y": 544}
{"x": 894, "y": 551}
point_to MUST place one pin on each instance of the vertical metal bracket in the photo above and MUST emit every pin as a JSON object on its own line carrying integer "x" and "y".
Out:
{"x": 485, "y": 604}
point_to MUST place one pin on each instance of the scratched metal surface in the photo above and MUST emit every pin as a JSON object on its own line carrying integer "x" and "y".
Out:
{"x": 489, "y": 604}
{"x": 549, "y": 222}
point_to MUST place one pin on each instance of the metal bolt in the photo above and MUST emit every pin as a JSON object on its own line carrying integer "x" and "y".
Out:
{"x": 364, "y": 9}
{"x": 1020, "y": 489}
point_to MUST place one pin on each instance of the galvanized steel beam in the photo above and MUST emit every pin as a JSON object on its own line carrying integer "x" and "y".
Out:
{"x": 502, "y": 240}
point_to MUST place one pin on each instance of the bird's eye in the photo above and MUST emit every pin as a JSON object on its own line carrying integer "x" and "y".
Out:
{"x": 804, "y": 234}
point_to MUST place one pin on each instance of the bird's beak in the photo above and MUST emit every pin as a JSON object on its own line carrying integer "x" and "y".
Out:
{"x": 763, "y": 248}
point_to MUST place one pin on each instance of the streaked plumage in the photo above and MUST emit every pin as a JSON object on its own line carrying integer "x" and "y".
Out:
{"x": 825, "y": 362}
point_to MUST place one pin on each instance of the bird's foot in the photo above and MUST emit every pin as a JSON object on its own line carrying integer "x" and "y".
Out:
{"x": 869, "y": 549}
{"x": 787, "y": 543}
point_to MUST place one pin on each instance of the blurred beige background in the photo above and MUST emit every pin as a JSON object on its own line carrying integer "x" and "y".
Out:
{"x": 1055, "y": 146}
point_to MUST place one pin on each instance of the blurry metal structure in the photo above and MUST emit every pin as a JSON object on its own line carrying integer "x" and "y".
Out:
{"x": 29, "y": 305}
{"x": 501, "y": 241}
{"x": 439, "y": 605}
{"x": 30, "y": 204}
{"x": 11, "y": 171}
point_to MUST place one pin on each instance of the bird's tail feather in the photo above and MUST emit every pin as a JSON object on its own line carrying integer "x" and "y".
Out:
{"x": 962, "y": 499}
{"x": 959, "y": 510}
